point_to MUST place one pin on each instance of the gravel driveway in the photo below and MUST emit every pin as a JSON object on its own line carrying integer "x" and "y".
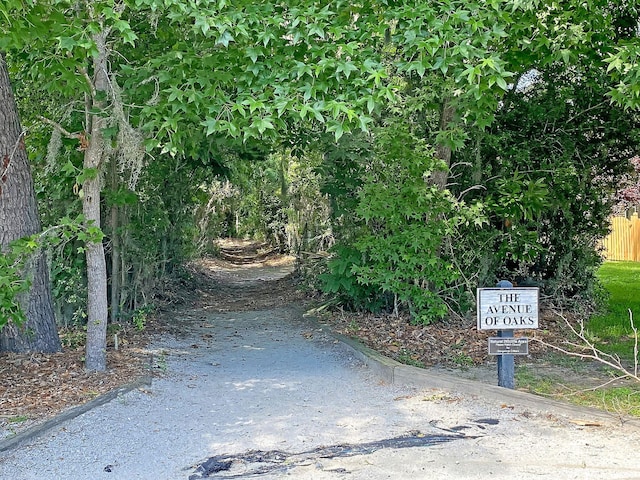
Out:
{"x": 267, "y": 394}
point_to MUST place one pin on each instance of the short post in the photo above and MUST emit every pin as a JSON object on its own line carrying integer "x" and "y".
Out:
{"x": 506, "y": 363}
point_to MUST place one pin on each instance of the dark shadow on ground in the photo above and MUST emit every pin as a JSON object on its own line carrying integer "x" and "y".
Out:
{"x": 258, "y": 462}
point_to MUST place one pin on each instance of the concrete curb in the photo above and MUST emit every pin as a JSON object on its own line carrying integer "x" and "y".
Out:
{"x": 41, "y": 428}
{"x": 396, "y": 373}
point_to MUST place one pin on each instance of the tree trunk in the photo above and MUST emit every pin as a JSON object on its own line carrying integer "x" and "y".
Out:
{"x": 19, "y": 218}
{"x": 115, "y": 250}
{"x": 443, "y": 152}
{"x": 440, "y": 178}
{"x": 97, "y": 304}
{"x": 124, "y": 283}
{"x": 115, "y": 265}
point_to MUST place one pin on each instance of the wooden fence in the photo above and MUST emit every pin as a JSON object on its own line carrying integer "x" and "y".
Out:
{"x": 623, "y": 243}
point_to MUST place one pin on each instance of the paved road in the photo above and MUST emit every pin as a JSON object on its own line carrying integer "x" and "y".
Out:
{"x": 267, "y": 394}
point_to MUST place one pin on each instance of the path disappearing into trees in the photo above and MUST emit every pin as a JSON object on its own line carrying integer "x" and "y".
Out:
{"x": 265, "y": 393}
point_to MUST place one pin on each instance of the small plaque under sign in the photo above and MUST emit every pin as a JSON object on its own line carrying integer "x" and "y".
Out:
{"x": 508, "y": 346}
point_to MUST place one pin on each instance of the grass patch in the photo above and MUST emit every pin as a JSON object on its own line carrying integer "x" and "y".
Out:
{"x": 611, "y": 333}
{"x": 620, "y": 400}
{"x": 572, "y": 364}
{"x": 527, "y": 380}
{"x": 18, "y": 419}
{"x": 611, "y": 330}
{"x": 409, "y": 358}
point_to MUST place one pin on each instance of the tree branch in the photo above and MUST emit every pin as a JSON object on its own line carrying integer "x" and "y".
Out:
{"x": 597, "y": 105}
{"x": 7, "y": 160}
{"x": 475, "y": 187}
{"x": 597, "y": 387}
{"x": 89, "y": 81}
{"x": 60, "y": 128}
{"x": 612, "y": 361}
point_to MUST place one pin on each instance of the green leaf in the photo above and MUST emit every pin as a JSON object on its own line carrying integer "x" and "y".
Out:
{"x": 66, "y": 43}
{"x": 87, "y": 174}
{"x": 224, "y": 39}
{"x": 211, "y": 124}
{"x": 69, "y": 168}
{"x": 263, "y": 124}
{"x": 316, "y": 29}
{"x": 253, "y": 53}
{"x": 202, "y": 23}
{"x": 110, "y": 132}
{"x": 129, "y": 36}
{"x": 337, "y": 130}
{"x": 121, "y": 25}
{"x": 317, "y": 115}
{"x": 371, "y": 104}
{"x": 346, "y": 69}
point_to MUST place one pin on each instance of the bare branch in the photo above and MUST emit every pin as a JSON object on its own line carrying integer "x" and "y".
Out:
{"x": 551, "y": 172}
{"x": 597, "y": 387}
{"x": 89, "y": 81}
{"x": 475, "y": 187}
{"x": 60, "y": 128}
{"x": 598, "y": 105}
{"x": 595, "y": 354}
{"x": 460, "y": 164}
{"x": 7, "y": 161}
{"x": 156, "y": 93}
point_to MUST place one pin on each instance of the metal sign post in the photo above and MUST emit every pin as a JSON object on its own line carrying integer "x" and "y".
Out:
{"x": 506, "y": 309}
{"x": 506, "y": 365}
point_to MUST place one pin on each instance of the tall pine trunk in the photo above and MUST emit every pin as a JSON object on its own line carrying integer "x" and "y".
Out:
{"x": 19, "y": 218}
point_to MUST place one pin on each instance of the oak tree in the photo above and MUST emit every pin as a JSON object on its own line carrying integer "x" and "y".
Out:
{"x": 19, "y": 219}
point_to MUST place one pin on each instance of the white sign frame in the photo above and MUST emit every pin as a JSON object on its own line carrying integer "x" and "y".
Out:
{"x": 507, "y": 308}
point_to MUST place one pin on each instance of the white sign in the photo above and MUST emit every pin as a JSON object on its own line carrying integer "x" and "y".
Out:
{"x": 507, "y": 308}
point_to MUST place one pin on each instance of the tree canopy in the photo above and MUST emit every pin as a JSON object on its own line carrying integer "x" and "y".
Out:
{"x": 485, "y": 121}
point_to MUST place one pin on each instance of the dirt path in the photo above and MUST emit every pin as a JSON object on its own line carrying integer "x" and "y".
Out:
{"x": 248, "y": 388}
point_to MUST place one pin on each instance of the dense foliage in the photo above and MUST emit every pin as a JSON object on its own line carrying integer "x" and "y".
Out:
{"x": 430, "y": 147}
{"x": 545, "y": 171}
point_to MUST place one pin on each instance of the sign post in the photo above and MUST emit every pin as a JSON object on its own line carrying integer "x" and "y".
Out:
{"x": 506, "y": 365}
{"x": 506, "y": 309}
